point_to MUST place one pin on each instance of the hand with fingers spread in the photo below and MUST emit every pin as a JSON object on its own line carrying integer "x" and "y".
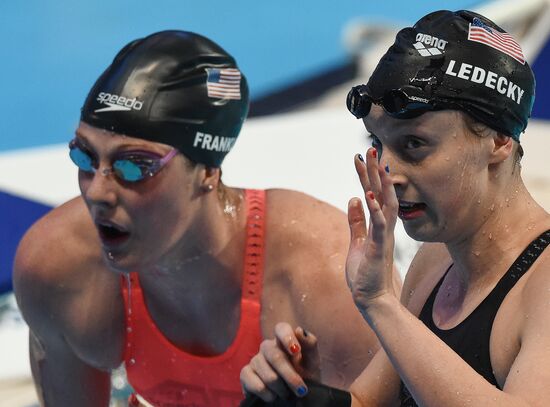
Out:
{"x": 282, "y": 364}
{"x": 369, "y": 263}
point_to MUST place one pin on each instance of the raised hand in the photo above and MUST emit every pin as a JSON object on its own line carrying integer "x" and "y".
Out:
{"x": 369, "y": 263}
{"x": 282, "y": 364}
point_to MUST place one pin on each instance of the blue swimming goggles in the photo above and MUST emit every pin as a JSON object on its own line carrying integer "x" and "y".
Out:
{"x": 403, "y": 103}
{"x": 131, "y": 166}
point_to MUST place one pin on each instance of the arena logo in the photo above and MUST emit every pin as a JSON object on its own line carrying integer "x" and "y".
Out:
{"x": 117, "y": 103}
{"x": 436, "y": 45}
{"x": 213, "y": 143}
{"x": 489, "y": 79}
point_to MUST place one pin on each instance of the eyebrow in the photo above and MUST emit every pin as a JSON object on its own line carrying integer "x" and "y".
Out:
{"x": 81, "y": 138}
{"x": 128, "y": 147}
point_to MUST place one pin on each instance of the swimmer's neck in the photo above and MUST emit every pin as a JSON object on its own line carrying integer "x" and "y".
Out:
{"x": 211, "y": 251}
{"x": 510, "y": 223}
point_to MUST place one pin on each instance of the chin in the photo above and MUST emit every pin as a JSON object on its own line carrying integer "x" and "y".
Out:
{"x": 119, "y": 264}
{"x": 423, "y": 233}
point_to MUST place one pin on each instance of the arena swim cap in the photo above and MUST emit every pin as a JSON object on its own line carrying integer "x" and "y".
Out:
{"x": 173, "y": 87}
{"x": 452, "y": 60}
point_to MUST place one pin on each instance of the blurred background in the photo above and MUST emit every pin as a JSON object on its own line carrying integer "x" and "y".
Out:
{"x": 300, "y": 58}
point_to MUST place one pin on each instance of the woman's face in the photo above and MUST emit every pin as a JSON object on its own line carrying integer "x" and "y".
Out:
{"x": 138, "y": 222}
{"x": 440, "y": 172}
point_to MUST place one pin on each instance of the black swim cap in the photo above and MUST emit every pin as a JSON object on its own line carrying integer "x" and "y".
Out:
{"x": 453, "y": 60}
{"x": 172, "y": 87}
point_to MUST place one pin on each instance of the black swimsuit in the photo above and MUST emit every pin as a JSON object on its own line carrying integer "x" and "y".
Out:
{"x": 470, "y": 339}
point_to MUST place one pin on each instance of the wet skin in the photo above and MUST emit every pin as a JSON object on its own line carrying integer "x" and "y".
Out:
{"x": 187, "y": 247}
{"x": 464, "y": 195}
{"x": 437, "y": 167}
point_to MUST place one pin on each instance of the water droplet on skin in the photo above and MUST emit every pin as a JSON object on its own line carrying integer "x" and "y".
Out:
{"x": 447, "y": 158}
{"x": 490, "y": 236}
{"x": 303, "y": 298}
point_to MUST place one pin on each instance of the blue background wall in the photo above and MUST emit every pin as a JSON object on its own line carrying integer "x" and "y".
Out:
{"x": 52, "y": 51}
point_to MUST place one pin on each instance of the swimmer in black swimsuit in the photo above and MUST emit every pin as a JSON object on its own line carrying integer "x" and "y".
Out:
{"x": 445, "y": 108}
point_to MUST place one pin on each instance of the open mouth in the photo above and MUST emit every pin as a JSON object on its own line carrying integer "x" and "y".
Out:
{"x": 111, "y": 234}
{"x": 411, "y": 210}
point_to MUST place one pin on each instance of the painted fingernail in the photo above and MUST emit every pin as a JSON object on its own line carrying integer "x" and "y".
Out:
{"x": 294, "y": 348}
{"x": 387, "y": 168}
{"x": 374, "y": 153}
{"x": 370, "y": 195}
{"x": 360, "y": 158}
{"x": 305, "y": 332}
{"x": 133, "y": 400}
{"x": 302, "y": 391}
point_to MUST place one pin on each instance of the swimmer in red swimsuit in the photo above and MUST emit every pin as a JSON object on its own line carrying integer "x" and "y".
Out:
{"x": 159, "y": 264}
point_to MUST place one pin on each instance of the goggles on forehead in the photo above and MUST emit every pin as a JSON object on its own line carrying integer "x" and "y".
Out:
{"x": 131, "y": 166}
{"x": 400, "y": 103}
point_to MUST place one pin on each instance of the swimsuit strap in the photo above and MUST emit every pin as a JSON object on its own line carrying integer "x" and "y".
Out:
{"x": 255, "y": 244}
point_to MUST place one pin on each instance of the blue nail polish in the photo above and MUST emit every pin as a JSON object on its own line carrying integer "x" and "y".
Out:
{"x": 302, "y": 391}
{"x": 387, "y": 168}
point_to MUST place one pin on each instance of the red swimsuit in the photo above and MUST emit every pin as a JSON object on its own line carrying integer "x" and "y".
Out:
{"x": 167, "y": 376}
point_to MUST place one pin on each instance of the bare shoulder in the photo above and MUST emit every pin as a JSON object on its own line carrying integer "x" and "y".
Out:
{"x": 307, "y": 239}
{"x": 536, "y": 287}
{"x": 57, "y": 263}
{"x": 307, "y": 244}
{"x": 56, "y": 243}
{"x": 295, "y": 217}
{"x": 427, "y": 267}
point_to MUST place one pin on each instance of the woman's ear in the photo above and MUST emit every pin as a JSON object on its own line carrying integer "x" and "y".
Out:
{"x": 210, "y": 179}
{"x": 502, "y": 148}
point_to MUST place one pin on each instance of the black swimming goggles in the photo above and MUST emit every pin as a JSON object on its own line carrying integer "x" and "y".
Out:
{"x": 403, "y": 103}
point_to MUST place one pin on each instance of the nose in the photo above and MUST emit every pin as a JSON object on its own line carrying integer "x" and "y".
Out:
{"x": 397, "y": 175}
{"x": 99, "y": 188}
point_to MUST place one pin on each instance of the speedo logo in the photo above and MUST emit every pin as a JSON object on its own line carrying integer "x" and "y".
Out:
{"x": 117, "y": 103}
{"x": 427, "y": 45}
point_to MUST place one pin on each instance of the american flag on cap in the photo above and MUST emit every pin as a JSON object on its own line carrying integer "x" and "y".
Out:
{"x": 480, "y": 32}
{"x": 223, "y": 83}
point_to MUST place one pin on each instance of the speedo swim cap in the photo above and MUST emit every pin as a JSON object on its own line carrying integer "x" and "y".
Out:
{"x": 453, "y": 60}
{"x": 176, "y": 88}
